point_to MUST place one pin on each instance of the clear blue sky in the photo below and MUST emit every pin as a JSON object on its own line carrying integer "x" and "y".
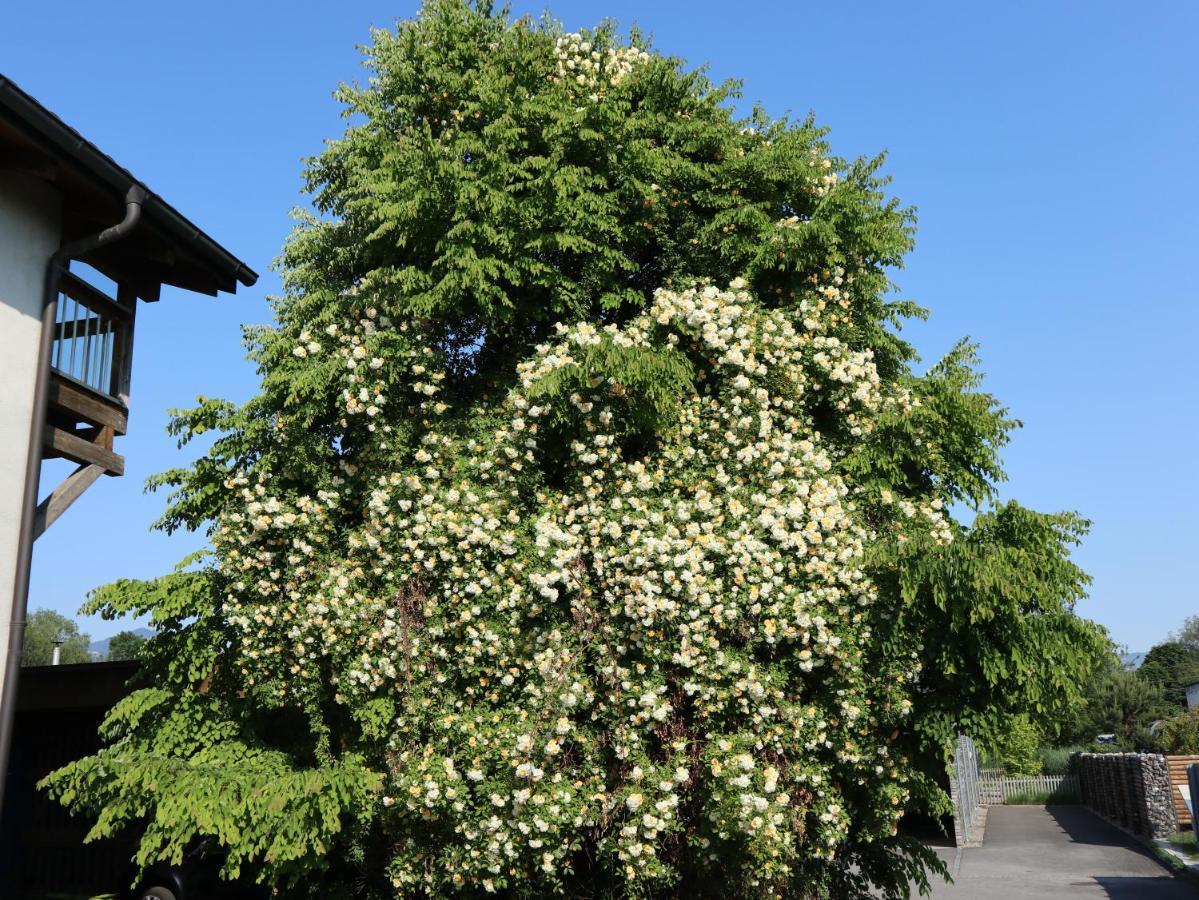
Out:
{"x": 1050, "y": 148}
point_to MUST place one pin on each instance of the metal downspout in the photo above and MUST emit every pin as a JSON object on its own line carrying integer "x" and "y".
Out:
{"x": 134, "y": 199}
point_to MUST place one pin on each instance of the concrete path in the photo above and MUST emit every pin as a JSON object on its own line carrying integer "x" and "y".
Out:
{"x": 1058, "y": 851}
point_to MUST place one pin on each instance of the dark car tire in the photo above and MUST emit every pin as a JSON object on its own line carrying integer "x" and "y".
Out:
{"x": 156, "y": 893}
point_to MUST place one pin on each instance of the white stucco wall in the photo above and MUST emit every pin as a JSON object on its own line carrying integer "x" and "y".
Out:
{"x": 30, "y": 212}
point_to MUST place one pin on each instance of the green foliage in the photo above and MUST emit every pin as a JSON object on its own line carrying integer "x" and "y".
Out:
{"x": 1171, "y": 666}
{"x": 1188, "y": 635}
{"x": 999, "y": 601}
{"x": 1043, "y": 798}
{"x": 1057, "y": 760}
{"x": 124, "y": 645}
{"x": 1185, "y": 842}
{"x": 1114, "y": 701}
{"x": 219, "y": 789}
{"x": 1017, "y": 748}
{"x": 1180, "y": 734}
{"x": 589, "y": 534}
{"x": 42, "y": 628}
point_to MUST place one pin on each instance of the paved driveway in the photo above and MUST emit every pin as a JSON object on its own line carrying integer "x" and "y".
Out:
{"x": 1060, "y": 851}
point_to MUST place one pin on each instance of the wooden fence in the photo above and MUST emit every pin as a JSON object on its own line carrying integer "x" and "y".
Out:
{"x": 1178, "y": 778}
{"x": 997, "y": 791}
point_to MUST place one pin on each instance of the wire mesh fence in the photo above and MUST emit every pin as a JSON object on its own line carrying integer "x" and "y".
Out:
{"x": 964, "y": 789}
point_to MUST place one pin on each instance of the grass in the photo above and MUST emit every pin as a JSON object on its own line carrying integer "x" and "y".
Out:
{"x": 1181, "y": 857}
{"x": 1041, "y": 798}
{"x": 1184, "y": 842}
{"x": 1056, "y": 760}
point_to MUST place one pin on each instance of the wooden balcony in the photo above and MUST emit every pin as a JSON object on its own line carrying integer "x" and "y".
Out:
{"x": 82, "y": 424}
{"x": 93, "y": 339}
{"x": 89, "y": 390}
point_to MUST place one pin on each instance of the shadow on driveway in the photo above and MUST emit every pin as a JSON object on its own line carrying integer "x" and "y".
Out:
{"x": 1136, "y": 888}
{"x": 1084, "y": 827}
{"x": 1059, "y": 851}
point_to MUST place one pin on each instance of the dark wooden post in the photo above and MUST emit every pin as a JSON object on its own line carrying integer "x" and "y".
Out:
{"x": 122, "y": 364}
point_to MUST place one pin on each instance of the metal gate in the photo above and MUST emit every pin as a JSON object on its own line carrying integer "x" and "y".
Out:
{"x": 964, "y": 789}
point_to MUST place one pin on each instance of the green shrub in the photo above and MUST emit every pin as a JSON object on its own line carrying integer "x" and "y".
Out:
{"x": 1043, "y": 798}
{"x": 1180, "y": 734}
{"x": 1184, "y": 841}
{"x": 1029, "y": 798}
{"x": 1114, "y": 702}
{"x": 1017, "y": 748}
{"x": 1171, "y": 666}
{"x": 1056, "y": 760}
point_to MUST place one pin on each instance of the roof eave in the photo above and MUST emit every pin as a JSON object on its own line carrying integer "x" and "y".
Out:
{"x": 70, "y": 144}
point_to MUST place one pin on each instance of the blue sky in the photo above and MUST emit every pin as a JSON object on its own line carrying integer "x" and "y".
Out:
{"x": 1049, "y": 147}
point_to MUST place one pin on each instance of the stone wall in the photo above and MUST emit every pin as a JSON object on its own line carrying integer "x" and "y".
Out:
{"x": 1131, "y": 789}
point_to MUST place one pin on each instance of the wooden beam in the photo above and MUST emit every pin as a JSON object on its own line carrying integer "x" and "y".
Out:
{"x": 63, "y": 496}
{"x": 77, "y": 449}
{"x": 29, "y": 162}
{"x": 92, "y": 297}
{"x": 68, "y": 331}
{"x": 122, "y": 351}
{"x": 87, "y": 405}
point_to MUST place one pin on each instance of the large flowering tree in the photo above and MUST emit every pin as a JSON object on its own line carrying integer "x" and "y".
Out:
{"x": 589, "y": 534}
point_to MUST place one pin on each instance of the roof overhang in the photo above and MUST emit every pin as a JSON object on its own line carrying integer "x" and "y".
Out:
{"x": 165, "y": 248}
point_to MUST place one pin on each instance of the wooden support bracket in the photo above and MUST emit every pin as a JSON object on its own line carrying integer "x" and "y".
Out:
{"x": 63, "y": 496}
{"x": 73, "y": 401}
{"x": 93, "y": 447}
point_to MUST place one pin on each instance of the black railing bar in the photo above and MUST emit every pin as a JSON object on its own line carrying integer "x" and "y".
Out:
{"x": 106, "y": 361}
{"x": 88, "y": 349}
{"x": 99, "y": 361}
{"x": 62, "y": 309}
{"x": 74, "y": 336}
{"x": 62, "y": 357}
{"x": 85, "y": 345}
{"x": 97, "y": 357}
{"x": 94, "y": 357}
{"x": 56, "y": 350}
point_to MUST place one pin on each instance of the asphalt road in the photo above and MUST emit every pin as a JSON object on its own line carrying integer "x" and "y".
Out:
{"x": 1060, "y": 851}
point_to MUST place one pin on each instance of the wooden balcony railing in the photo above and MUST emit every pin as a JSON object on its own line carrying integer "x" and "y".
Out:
{"x": 93, "y": 339}
{"x": 88, "y": 405}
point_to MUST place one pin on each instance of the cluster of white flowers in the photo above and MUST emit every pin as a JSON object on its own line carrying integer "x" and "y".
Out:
{"x": 939, "y": 526}
{"x": 555, "y": 666}
{"x": 306, "y": 346}
{"x": 828, "y": 180}
{"x": 820, "y": 186}
{"x": 586, "y": 66}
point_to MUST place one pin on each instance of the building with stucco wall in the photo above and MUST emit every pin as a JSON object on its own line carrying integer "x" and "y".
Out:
{"x": 66, "y": 346}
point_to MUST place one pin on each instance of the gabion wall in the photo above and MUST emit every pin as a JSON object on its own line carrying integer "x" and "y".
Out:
{"x": 1131, "y": 789}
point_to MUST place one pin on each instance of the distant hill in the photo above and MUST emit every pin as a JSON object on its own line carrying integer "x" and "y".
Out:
{"x": 1132, "y": 661}
{"x": 99, "y": 649}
